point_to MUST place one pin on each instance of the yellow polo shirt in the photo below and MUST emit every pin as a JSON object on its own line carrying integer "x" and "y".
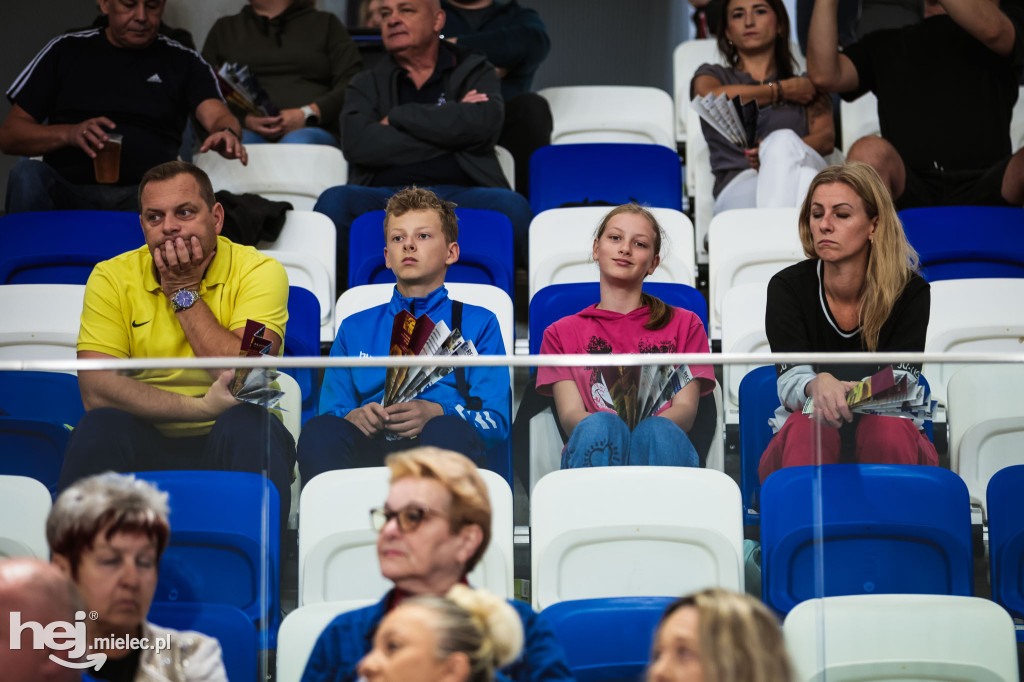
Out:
{"x": 126, "y": 314}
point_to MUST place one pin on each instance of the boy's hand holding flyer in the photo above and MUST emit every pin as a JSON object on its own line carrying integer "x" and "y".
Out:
{"x": 424, "y": 338}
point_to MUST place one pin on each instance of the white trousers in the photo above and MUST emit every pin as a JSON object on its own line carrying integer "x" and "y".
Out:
{"x": 787, "y": 167}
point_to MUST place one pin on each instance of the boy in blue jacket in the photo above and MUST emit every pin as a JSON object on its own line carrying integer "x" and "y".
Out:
{"x": 353, "y": 428}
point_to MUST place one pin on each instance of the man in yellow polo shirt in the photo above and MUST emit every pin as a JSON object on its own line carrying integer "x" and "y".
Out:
{"x": 186, "y": 294}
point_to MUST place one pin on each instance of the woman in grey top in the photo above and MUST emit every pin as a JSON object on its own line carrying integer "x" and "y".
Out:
{"x": 794, "y": 127}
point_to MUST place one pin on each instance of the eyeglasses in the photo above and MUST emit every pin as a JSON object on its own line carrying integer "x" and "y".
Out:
{"x": 409, "y": 518}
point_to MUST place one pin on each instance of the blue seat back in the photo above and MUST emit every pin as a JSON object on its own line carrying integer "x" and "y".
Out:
{"x": 302, "y": 339}
{"x": 965, "y": 242}
{"x": 485, "y": 250}
{"x": 884, "y": 529}
{"x": 759, "y": 398}
{"x": 556, "y": 301}
{"x": 227, "y": 624}
{"x": 607, "y": 639}
{"x": 218, "y": 553}
{"x": 53, "y": 396}
{"x": 1006, "y": 538}
{"x": 614, "y": 173}
{"x": 33, "y": 448}
{"x": 61, "y": 247}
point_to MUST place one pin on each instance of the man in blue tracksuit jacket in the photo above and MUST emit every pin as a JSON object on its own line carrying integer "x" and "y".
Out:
{"x": 354, "y": 429}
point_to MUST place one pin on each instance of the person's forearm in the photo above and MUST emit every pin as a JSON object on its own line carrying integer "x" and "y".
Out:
{"x": 823, "y": 45}
{"x": 569, "y": 420}
{"x": 205, "y": 334}
{"x": 823, "y": 142}
{"x": 107, "y": 388}
{"x": 764, "y": 94}
{"x": 985, "y": 21}
{"x": 24, "y": 138}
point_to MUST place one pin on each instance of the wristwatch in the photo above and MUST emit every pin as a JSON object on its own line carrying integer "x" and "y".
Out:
{"x": 183, "y": 299}
{"x": 311, "y": 118}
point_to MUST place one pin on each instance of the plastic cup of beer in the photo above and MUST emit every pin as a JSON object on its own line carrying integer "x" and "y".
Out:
{"x": 107, "y": 164}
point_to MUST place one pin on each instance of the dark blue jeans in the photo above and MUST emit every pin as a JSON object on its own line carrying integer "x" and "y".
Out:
{"x": 36, "y": 186}
{"x": 244, "y": 438}
{"x": 329, "y": 442}
{"x": 345, "y": 203}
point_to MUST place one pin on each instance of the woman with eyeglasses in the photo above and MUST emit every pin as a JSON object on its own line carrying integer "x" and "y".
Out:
{"x": 434, "y": 528}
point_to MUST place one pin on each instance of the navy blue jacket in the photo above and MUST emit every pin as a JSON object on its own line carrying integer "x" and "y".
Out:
{"x": 349, "y": 637}
{"x": 369, "y": 333}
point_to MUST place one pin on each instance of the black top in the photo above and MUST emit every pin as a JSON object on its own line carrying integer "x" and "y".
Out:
{"x": 798, "y": 320}
{"x": 511, "y": 36}
{"x": 440, "y": 170}
{"x": 148, "y": 93}
{"x": 944, "y": 99}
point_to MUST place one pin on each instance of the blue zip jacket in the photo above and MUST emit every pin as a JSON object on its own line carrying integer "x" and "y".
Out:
{"x": 349, "y": 637}
{"x": 368, "y": 333}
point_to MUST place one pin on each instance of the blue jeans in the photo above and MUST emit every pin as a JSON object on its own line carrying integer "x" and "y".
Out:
{"x": 36, "y": 186}
{"x": 603, "y": 439}
{"x": 329, "y": 442}
{"x": 345, "y": 203}
{"x": 301, "y": 136}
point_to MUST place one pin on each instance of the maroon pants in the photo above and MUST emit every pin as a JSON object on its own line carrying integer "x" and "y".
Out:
{"x": 880, "y": 440}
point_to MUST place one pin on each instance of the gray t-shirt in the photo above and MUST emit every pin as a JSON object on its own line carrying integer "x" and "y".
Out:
{"x": 727, "y": 160}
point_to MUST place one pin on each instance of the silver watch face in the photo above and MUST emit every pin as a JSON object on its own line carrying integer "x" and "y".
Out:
{"x": 184, "y": 298}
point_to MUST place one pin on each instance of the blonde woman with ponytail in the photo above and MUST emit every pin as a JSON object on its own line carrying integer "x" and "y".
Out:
{"x": 627, "y": 248}
{"x": 463, "y": 637}
{"x": 859, "y": 290}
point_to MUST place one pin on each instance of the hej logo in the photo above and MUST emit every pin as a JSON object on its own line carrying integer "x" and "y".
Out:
{"x": 60, "y": 636}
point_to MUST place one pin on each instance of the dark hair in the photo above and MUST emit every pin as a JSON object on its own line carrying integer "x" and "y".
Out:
{"x": 172, "y": 169}
{"x": 660, "y": 312}
{"x": 419, "y": 199}
{"x": 785, "y": 64}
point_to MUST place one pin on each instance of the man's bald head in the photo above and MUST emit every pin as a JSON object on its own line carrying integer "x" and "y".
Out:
{"x": 40, "y": 592}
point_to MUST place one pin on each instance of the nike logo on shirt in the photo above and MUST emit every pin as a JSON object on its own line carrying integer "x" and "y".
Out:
{"x": 139, "y": 324}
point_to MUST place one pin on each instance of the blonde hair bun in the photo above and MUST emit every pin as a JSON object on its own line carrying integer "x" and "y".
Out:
{"x": 500, "y": 624}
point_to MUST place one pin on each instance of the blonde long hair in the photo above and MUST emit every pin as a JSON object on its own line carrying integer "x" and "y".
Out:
{"x": 740, "y": 639}
{"x": 891, "y": 258}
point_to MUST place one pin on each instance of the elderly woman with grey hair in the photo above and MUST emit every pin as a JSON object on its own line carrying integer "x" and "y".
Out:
{"x": 107, "y": 534}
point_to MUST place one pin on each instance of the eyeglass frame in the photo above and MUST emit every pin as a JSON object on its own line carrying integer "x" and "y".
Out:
{"x": 378, "y": 513}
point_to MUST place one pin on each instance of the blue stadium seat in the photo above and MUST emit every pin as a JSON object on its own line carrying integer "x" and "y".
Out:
{"x": 33, "y": 448}
{"x": 614, "y": 173}
{"x": 884, "y": 528}
{"x": 607, "y": 639}
{"x": 61, "y": 247}
{"x": 218, "y": 552}
{"x": 556, "y": 301}
{"x": 227, "y": 624}
{"x": 53, "y": 396}
{"x": 967, "y": 242}
{"x": 302, "y": 339}
{"x": 485, "y": 250}
{"x": 759, "y": 398}
{"x": 1006, "y": 540}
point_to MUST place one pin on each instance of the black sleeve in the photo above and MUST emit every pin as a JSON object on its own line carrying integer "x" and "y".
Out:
{"x": 785, "y": 321}
{"x": 860, "y": 54}
{"x": 35, "y": 90}
{"x": 202, "y": 82}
